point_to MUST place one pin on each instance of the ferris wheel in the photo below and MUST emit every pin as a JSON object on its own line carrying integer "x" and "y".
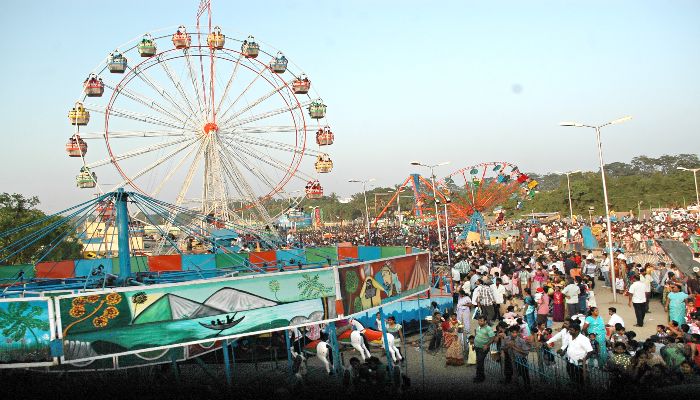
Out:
{"x": 481, "y": 187}
{"x": 195, "y": 115}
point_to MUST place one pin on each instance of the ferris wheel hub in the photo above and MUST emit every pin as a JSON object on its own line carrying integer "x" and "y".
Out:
{"x": 210, "y": 127}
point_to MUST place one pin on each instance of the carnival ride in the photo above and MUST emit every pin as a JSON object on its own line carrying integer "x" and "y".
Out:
{"x": 468, "y": 193}
{"x": 201, "y": 118}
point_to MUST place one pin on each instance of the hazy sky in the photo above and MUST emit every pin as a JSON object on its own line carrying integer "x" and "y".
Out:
{"x": 463, "y": 81}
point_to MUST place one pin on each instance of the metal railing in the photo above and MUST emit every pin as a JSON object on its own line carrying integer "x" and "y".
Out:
{"x": 547, "y": 368}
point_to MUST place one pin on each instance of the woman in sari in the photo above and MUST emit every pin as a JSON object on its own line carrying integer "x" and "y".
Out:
{"x": 455, "y": 352}
{"x": 594, "y": 324}
{"x": 676, "y": 304}
{"x": 558, "y": 305}
{"x": 530, "y": 307}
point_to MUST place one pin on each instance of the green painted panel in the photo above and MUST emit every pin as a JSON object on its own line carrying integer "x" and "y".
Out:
{"x": 392, "y": 251}
{"x": 231, "y": 260}
{"x": 320, "y": 254}
{"x": 11, "y": 271}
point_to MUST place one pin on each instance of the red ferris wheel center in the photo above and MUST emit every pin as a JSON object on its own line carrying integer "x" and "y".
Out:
{"x": 210, "y": 127}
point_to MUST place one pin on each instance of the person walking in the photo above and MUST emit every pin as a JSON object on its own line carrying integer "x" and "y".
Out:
{"x": 637, "y": 297}
{"x": 542, "y": 306}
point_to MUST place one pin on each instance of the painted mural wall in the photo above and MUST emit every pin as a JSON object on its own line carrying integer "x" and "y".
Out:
{"x": 157, "y": 317}
{"x": 369, "y": 285}
{"x": 26, "y": 332}
{"x": 135, "y": 326}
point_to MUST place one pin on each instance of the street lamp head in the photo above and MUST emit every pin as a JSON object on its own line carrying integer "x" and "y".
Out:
{"x": 354, "y": 181}
{"x": 416, "y": 163}
{"x": 683, "y": 168}
{"x": 442, "y": 163}
{"x": 571, "y": 123}
{"x": 371, "y": 180}
{"x": 621, "y": 120}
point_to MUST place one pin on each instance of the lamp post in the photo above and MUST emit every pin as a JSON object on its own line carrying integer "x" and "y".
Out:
{"x": 568, "y": 185}
{"x": 364, "y": 192}
{"x": 605, "y": 189}
{"x": 447, "y": 230}
{"x": 697, "y": 196}
{"x": 398, "y": 205}
{"x": 432, "y": 182}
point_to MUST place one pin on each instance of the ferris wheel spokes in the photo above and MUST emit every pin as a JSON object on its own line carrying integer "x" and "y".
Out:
{"x": 153, "y": 105}
{"x": 228, "y": 84}
{"x": 243, "y": 92}
{"x": 140, "y": 72}
{"x": 268, "y": 114}
{"x": 254, "y": 103}
{"x": 138, "y": 134}
{"x": 195, "y": 86}
{"x": 140, "y": 151}
{"x": 178, "y": 85}
{"x": 152, "y": 166}
{"x": 133, "y": 115}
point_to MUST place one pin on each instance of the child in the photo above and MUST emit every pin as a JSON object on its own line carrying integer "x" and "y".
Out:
{"x": 593, "y": 361}
{"x": 619, "y": 335}
{"x": 661, "y": 333}
{"x": 471, "y": 356}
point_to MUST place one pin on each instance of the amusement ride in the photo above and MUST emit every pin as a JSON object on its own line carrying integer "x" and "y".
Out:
{"x": 467, "y": 194}
{"x": 198, "y": 117}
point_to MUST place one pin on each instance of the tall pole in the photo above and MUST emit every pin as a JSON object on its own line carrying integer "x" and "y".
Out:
{"x": 437, "y": 212}
{"x": 123, "y": 236}
{"x": 364, "y": 191}
{"x": 607, "y": 213}
{"x": 571, "y": 208}
{"x": 447, "y": 236}
{"x": 605, "y": 189}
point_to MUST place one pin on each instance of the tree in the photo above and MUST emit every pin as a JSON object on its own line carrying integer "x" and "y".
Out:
{"x": 274, "y": 286}
{"x": 352, "y": 282}
{"x": 56, "y": 239}
{"x": 311, "y": 287}
{"x": 19, "y": 318}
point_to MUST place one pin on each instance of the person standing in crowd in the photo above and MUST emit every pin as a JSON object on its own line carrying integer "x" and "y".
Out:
{"x": 542, "y": 306}
{"x": 637, "y": 296}
{"x": 605, "y": 271}
{"x": 455, "y": 350}
{"x": 571, "y": 291}
{"x": 582, "y": 295}
{"x": 484, "y": 335}
{"x": 594, "y": 324}
{"x": 557, "y": 305}
{"x": 516, "y": 350}
{"x": 676, "y": 304}
{"x": 464, "y": 309}
{"x": 499, "y": 293}
{"x": 483, "y": 297}
{"x": 577, "y": 352}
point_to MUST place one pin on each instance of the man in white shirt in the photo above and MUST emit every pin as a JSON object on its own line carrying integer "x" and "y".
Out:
{"x": 577, "y": 352}
{"x": 605, "y": 271}
{"x": 563, "y": 335}
{"x": 571, "y": 291}
{"x": 499, "y": 293}
{"x": 637, "y": 296}
{"x": 614, "y": 318}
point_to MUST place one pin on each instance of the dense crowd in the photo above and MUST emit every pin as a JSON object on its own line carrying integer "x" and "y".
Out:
{"x": 534, "y": 290}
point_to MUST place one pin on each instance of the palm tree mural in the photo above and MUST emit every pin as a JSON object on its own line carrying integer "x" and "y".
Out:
{"x": 311, "y": 287}
{"x": 19, "y": 318}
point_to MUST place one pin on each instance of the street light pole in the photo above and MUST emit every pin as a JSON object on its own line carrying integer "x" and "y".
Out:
{"x": 447, "y": 233}
{"x": 364, "y": 192}
{"x": 697, "y": 196}
{"x": 568, "y": 185}
{"x": 432, "y": 182}
{"x": 605, "y": 190}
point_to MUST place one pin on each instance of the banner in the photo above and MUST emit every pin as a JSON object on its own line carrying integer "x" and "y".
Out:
{"x": 370, "y": 285}
{"x": 131, "y": 320}
{"x": 26, "y": 331}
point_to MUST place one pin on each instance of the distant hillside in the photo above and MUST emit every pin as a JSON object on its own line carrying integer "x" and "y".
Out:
{"x": 655, "y": 182}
